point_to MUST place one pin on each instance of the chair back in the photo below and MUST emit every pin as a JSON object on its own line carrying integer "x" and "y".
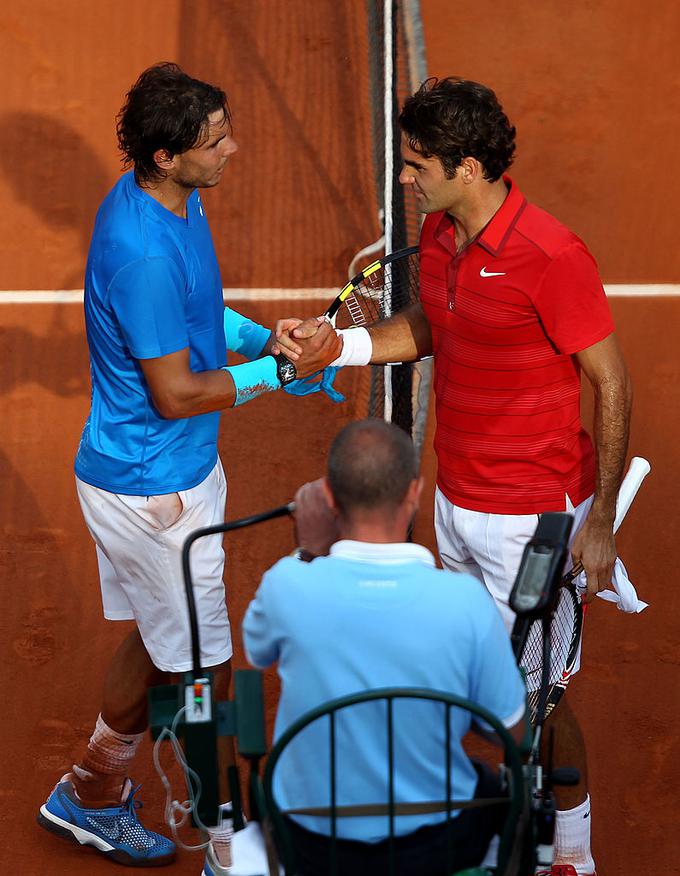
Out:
{"x": 392, "y": 808}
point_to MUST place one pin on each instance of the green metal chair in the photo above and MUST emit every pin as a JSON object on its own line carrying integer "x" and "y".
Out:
{"x": 513, "y": 838}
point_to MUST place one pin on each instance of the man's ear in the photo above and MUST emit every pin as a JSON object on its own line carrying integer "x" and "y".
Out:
{"x": 164, "y": 160}
{"x": 470, "y": 170}
{"x": 328, "y": 495}
{"x": 415, "y": 491}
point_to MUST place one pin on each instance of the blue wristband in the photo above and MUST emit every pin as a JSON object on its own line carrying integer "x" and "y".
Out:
{"x": 253, "y": 378}
{"x": 244, "y": 336}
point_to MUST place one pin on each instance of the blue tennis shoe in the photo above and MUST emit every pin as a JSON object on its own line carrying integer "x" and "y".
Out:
{"x": 211, "y": 866}
{"x": 115, "y": 832}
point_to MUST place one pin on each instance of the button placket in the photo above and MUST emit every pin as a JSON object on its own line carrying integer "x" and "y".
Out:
{"x": 452, "y": 279}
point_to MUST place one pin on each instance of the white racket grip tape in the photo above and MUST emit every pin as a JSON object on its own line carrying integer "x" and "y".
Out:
{"x": 638, "y": 470}
{"x": 357, "y": 347}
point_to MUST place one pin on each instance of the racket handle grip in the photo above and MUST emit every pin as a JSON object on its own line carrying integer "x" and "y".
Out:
{"x": 332, "y": 310}
{"x": 637, "y": 471}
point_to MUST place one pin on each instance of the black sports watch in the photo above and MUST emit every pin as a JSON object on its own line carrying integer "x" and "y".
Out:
{"x": 285, "y": 369}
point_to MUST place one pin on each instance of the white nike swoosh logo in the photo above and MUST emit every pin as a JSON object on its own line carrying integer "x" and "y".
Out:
{"x": 485, "y": 273}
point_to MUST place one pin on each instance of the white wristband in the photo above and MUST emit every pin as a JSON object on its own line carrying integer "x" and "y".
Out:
{"x": 357, "y": 347}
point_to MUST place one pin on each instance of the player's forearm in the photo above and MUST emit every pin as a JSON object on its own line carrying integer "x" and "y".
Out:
{"x": 613, "y": 401}
{"x": 196, "y": 393}
{"x": 178, "y": 392}
{"x": 404, "y": 337}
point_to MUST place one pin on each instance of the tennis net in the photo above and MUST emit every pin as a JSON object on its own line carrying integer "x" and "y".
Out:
{"x": 396, "y": 66}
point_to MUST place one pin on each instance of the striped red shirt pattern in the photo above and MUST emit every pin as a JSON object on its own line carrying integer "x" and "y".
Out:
{"x": 507, "y": 315}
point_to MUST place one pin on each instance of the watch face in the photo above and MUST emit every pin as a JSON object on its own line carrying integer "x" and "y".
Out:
{"x": 286, "y": 370}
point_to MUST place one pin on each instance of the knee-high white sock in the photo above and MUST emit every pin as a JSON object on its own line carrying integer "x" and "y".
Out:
{"x": 572, "y": 838}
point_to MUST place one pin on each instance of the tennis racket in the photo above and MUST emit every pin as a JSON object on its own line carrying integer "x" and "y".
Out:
{"x": 385, "y": 287}
{"x": 567, "y": 623}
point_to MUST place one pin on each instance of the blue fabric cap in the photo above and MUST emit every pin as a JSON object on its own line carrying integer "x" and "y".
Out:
{"x": 254, "y": 378}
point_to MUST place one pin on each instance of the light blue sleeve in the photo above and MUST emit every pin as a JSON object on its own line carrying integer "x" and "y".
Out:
{"x": 495, "y": 681}
{"x": 148, "y": 299}
{"x": 244, "y": 336}
{"x": 260, "y": 636}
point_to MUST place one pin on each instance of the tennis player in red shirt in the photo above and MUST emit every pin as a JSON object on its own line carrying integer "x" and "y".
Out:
{"x": 513, "y": 310}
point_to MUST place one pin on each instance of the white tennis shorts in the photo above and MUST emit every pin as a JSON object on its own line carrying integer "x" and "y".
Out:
{"x": 490, "y": 546}
{"x": 139, "y": 550}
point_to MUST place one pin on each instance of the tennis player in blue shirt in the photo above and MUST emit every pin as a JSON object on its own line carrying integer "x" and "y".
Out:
{"x": 147, "y": 467}
{"x": 373, "y": 611}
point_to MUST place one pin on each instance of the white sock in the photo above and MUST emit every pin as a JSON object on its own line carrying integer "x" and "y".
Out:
{"x": 572, "y": 838}
{"x": 220, "y": 836}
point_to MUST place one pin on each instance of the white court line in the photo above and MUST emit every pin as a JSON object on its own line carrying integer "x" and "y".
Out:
{"x": 632, "y": 290}
{"x": 75, "y": 296}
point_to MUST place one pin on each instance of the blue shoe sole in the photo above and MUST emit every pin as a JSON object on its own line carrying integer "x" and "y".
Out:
{"x": 82, "y": 837}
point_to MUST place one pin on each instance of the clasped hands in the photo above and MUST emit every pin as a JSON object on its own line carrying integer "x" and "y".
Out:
{"x": 311, "y": 344}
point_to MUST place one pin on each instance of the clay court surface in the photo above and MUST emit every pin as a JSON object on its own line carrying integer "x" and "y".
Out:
{"x": 597, "y": 136}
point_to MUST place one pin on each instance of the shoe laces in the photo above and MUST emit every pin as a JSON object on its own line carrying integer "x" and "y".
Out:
{"x": 131, "y": 804}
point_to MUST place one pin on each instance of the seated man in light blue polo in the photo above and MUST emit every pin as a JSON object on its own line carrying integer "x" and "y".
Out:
{"x": 371, "y": 610}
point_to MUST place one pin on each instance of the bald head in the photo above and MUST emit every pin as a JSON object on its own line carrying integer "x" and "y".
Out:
{"x": 371, "y": 465}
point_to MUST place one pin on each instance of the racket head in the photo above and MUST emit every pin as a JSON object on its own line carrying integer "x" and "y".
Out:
{"x": 565, "y": 639}
{"x": 383, "y": 288}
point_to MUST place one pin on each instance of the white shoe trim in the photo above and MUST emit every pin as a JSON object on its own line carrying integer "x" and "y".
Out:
{"x": 84, "y": 837}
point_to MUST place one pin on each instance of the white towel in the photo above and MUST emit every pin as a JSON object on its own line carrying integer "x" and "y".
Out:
{"x": 624, "y": 595}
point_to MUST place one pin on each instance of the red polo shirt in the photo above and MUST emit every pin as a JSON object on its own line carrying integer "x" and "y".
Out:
{"x": 507, "y": 316}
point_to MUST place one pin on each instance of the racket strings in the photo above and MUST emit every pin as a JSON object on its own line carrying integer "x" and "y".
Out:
{"x": 564, "y": 633}
{"x": 354, "y": 310}
{"x": 385, "y": 288}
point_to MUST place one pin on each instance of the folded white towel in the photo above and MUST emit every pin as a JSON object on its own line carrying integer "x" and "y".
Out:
{"x": 624, "y": 595}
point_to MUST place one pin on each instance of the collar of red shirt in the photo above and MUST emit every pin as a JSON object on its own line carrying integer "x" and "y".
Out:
{"x": 497, "y": 230}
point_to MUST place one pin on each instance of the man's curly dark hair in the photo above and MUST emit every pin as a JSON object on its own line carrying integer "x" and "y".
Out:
{"x": 165, "y": 109}
{"x": 454, "y": 118}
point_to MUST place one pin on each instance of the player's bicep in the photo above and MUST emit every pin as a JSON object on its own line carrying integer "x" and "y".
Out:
{"x": 167, "y": 378}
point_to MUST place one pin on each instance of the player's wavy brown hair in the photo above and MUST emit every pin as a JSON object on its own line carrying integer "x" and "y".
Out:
{"x": 454, "y": 118}
{"x": 165, "y": 109}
